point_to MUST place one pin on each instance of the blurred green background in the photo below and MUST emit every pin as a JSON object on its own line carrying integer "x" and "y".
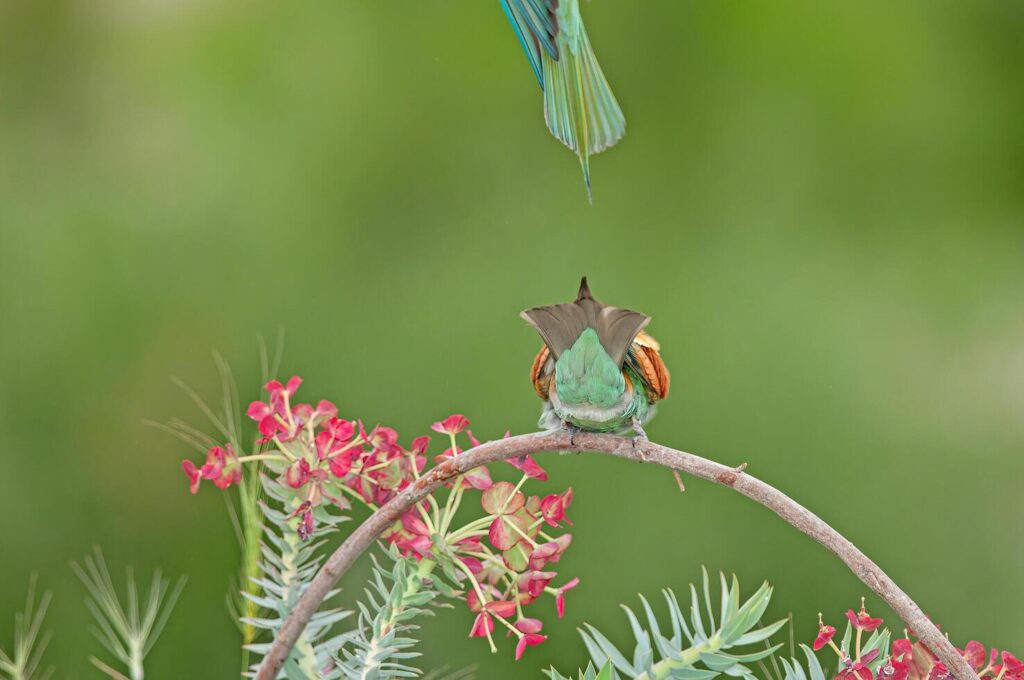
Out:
{"x": 820, "y": 204}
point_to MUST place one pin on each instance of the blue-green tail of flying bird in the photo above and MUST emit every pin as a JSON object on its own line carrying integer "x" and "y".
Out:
{"x": 579, "y": 106}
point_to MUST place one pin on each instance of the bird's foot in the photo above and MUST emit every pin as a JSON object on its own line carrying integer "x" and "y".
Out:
{"x": 572, "y": 430}
{"x": 639, "y": 437}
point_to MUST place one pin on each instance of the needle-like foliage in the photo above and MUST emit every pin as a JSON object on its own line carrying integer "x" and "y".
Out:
{"x": 699, "y": 647}
{"x": 127, "y": 631}
{"x": 381, "y": 644}
{"x": 287, "y": 567}
{"x": 26, "y": 656}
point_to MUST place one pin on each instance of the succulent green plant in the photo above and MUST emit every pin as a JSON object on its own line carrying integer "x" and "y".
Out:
{"x": 699, "y": 647}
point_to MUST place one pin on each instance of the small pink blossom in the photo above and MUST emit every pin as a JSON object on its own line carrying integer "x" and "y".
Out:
{"x": 560, "y": 597}
{"x": 528, "y": 626}
{"x": 453, "y": 424}
{"x": 193, "y": 474}
{"x": 825, "y": 634}
{"x": 483, "y": 625}
{"x": 528, "y": 640}
{"x": 528, "y": 467}
{"x": 553, "y": 508}
{"x": 862, "y": 620}
{"x": 297, "y": 474}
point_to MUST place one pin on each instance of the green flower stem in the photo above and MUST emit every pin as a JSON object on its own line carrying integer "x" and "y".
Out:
{"x": 522, "y": 533}
{"x": 261, "y": 456}
{"x": 470, "y": 529}
{"x": 687, "y": 658}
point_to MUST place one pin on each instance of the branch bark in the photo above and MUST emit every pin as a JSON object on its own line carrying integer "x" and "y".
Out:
{"x": 643, "y": 451}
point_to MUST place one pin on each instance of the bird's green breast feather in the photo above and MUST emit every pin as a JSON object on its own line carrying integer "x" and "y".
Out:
{"x": 585, "y": 374}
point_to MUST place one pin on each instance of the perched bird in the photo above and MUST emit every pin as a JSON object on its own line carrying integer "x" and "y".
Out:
{"x": 598, "y": 370}
{"x": 579, "y": 106}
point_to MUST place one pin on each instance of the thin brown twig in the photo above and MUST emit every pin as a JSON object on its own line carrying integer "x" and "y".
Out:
{"x": 639, "y": 450}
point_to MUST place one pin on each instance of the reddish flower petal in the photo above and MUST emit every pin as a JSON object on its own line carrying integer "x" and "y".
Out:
{"x": 413, "y": 523}
{"x": 863, "y": 621}
{"x": 482, "y": 625}
{"x": 297, "y": 474}
{"x": 293, "y": 385}
{"x": 502, "y": 608}
{"x": 825, "y": 635}
{"x": 528, "y": 640}
{"x": 420, "y": 445}
{"x": 1013, "y": 664}
{"x": 325, "y": 409}
{"x": 501, "y": 535}
{"x": 502, "y": 499}
{"x": 975, "y": 654}
{"x": 472, "y": 440}
{"x": 560, "y": 597}
{"x": 453, "y": 424}
{"x": 528, "y": 625}
{"x": 479, "y": 478}
{"x": 528, "y": 466}
{"x": 553, "y": 507}
{"x": 258, "y": 410}
{"x": 192, "y": 472}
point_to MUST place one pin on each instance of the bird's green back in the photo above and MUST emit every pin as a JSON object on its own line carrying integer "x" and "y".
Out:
{"x": 586, "y": 374}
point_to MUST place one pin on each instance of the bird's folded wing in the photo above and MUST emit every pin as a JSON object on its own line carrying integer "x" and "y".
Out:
{"x": 535, "y": 26}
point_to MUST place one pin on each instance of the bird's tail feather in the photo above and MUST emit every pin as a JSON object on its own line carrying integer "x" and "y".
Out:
{"x": 579, "y": 106}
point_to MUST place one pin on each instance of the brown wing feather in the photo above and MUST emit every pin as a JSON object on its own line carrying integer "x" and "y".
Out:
{"x": 652, "y": 368}
{"x": 541, "y": 380}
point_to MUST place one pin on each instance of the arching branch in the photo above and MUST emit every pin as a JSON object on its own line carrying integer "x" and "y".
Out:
{"x": 643, "y": 451}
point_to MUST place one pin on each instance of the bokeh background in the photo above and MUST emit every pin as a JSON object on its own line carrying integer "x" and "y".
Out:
{"x": 820, "y": 204}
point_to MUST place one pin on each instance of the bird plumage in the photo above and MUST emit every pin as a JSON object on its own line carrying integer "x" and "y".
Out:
{"x": 598, "y": 369}
{"x": 579, "y": 107}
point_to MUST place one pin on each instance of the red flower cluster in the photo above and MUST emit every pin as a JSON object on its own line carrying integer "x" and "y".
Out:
{"x": 501, "y": 558}
{"x": 499, "y": 562}
{"x": 909, "y": 659}
{"x": 222, "y": 467}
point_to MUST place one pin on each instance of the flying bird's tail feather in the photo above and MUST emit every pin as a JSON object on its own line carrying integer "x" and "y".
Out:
{"x": 579, "y": 106}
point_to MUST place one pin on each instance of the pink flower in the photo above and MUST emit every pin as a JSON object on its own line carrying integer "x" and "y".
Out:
{"x": 857, "y": 670}
{"x": 502, "y": 608}
{"x": 894, "y": 670}
{"x": 297, "y": 474}
{"x": 533, "y": 583}
{"x": 325, "y": 410}
{"x": 478, "y": 478}
{"x": 483, "y": 625}
{"x": 1013, "y": 665}
{"x": 453, "y": 424}
{"x": 549, "y": 552}
{"x": 553, "y": 507}
{"x": 193, "y": 474}
{"x": 341, "y": 430}
{"x": 528, "y": 640}
{"x": 528, "y": 626}
{"x": 940, "y": 672}
{"x": 560, "y": 597}
{"x": 974, "y": 654}
{"x": 825, "y": 635}
{"x": 861, "y": 620}
{"x": 528, "y": 467}
{"x": 420, "y": 446}
{"x": 222, "y": 467}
